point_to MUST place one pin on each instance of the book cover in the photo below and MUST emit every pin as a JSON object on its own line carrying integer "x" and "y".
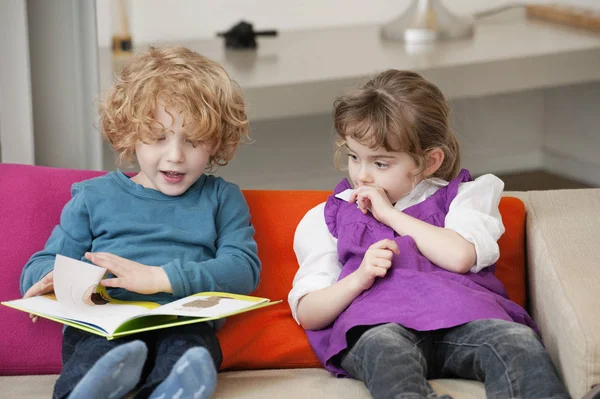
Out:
{"x": 80, "y": 301}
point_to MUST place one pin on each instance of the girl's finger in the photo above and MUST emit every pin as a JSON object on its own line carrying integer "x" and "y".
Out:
{"x": 383, "y": 263}
{"x": 380, "y": 271}
{"x": 353, "y": 197}
{"x": 364, "y": 206}
{"x": 392, "y": 246}
{"x": 386, "y": 244}
{"x": 383, "y": 254}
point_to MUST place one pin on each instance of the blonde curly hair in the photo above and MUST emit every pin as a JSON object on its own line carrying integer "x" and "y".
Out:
{"x": 200, "y": 89}
{"x": 399, "y": 111}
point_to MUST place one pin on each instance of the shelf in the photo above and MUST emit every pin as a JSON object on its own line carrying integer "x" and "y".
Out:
{"x": 301, "y": 73}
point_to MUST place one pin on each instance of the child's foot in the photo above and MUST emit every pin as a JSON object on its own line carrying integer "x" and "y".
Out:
{"x": 114, "y": 374}
{"x": 193, "y": 376}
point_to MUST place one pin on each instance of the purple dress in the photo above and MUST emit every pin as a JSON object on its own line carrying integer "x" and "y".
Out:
{"x": 415, "y": 293}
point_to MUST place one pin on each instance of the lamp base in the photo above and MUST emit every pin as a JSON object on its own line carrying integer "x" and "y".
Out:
{"x": 426, "y": 21}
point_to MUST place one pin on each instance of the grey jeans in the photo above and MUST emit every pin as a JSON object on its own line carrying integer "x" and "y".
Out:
{"x": 396, "y": 362}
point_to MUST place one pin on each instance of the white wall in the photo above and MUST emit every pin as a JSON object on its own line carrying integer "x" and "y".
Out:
{"x": 502, "y": 133}
{"x": 159, "y": 20}
{"x": 65, "y": 82}
{"x": 555, "y": 129}
{"x": 16, "y": 120}
{"x": 572, "y": 132}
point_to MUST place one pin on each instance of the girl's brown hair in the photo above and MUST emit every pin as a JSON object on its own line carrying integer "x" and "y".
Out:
{"x": 399, "y": 111}
{"x": 182, "y": 80}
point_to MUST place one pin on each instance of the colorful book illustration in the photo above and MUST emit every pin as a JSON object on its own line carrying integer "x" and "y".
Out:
{"x": 80, "y": 301}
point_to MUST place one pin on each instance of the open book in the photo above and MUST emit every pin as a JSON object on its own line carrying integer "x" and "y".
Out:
{"x": 80, "y": 301}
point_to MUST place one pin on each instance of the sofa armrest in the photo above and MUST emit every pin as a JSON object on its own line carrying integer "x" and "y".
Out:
{"x": 563, "y": 233}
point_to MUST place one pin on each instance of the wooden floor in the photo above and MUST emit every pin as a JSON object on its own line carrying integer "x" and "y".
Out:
{"x": 538, "y": 180}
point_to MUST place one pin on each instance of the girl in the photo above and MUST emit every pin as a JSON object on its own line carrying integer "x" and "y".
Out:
{"x": 396, "y": 282}
{"x": 166, "y": 233}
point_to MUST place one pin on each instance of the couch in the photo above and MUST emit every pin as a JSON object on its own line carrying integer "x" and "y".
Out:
{"x": 549, "y": 263}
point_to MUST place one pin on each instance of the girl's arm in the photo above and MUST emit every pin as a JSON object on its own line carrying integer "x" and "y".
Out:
{"x": 473, "y": 225}
{"x": 320, "y": 308}
{"x": 444, "y": 247}
{"x": 474, "y": 214}
{"x": 316, "y": 251}
{"x": 317, "y": 298}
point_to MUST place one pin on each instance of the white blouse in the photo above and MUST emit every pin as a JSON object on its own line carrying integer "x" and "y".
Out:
{"x": 473, "y": 214}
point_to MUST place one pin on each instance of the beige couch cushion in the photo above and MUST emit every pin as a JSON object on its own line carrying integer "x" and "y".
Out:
{"x": 260, "y": 384}
{"x": 318, "y": 383}
{"x": 563, "y": 235}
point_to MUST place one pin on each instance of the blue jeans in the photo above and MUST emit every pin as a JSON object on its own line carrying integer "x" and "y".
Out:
{"x": 396, "y": 362}
{"x": 81, "y": 350}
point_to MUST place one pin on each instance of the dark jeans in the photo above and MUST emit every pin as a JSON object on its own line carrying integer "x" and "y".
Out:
{"x": 396, "y": 362}
{"x": 80, "y": 350}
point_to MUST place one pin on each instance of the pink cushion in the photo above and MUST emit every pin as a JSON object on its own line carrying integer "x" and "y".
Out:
{"x": 31, "y": 199}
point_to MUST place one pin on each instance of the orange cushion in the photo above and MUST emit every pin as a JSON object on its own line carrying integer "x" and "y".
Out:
{"x": 510, "y": 268}
{"x": 270, "y": 338}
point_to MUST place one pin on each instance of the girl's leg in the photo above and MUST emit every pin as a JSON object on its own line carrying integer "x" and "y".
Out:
{"x": 171, "y": 344}
{"x": 507, "y": 356}
{"x": 390, "y": 360}
{"x": 80, "y": 352}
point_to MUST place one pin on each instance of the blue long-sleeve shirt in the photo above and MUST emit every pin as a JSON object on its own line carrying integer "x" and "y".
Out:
{"x": 203, "y": 239}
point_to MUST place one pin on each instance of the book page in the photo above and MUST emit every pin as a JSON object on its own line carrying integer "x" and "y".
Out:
{"x": 75, "y": 286}
{"x": 75, "y": 282}
{"x": 45, "y": 304}
{"x": 209, "y": 304}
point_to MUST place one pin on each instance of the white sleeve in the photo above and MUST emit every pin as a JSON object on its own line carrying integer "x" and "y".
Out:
{"x": 474, "y": 214}
{"x": 316, "y": 251}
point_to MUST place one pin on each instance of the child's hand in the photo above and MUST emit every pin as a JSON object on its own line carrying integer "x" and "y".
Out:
{"x": 374, "y": 199}
{"x": 44, "y": 286}
{"x": 131, "y": 275}
{"x": 376, "y": 262}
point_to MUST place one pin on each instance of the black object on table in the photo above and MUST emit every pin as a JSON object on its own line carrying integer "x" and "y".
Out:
{"x": 243, "y": 36}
